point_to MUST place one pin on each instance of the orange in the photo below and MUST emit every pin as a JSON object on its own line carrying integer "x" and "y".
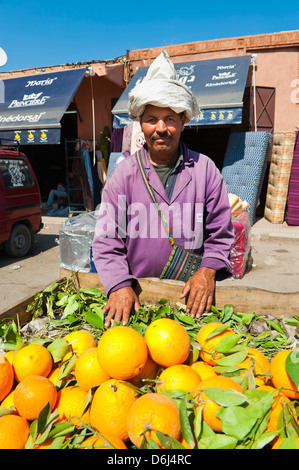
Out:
{"x": 6, "y": 377}
{"x": 278, "y": 403}
{"x": 122, "y": 352}
{"x": 168, "y": 342}
{"x": 33, "y": 359}
{"x": 203, "y": 369}
{"x": 53, "y": 376}
{"x": 153, "y": 412}
{"x": 32, "y": 394}
{"x": 280, "y": 377}
{"x": 70, "y": 404}
{"x": 207, "y": 353}
{"x": 14, "y": 432}
{"x": 178, "y": 377}
{"x": 97, "y": 442}
{"x": 88, "y": 371}
{"x": 10, "y": 355}
{"x": 8, "y": 401}
{"x": 148, "y": 372}
{"x": 280, "y": 441}
{"x": 80, "y": 341}
{"x": 210, "y": 407}
{"x": 110, "y": 407}
{"x": 260, "y": 365}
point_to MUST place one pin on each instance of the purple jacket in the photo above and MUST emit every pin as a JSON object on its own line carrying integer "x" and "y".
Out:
{"x": 130, "y": 241}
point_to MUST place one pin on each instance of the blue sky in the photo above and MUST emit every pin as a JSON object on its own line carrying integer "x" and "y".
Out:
{"x": 37, "y": 33}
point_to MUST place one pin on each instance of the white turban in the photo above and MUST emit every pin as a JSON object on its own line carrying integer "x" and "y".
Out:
{"x": 160, "y": 87}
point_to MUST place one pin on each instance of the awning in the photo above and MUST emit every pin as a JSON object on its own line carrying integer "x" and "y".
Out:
{"x": 34, "y": 105}
{"x": 218, "y": 85}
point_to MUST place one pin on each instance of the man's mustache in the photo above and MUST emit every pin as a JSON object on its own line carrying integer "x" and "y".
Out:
{"x": 160, "y": 136}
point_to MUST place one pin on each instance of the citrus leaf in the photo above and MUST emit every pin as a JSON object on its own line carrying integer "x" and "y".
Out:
{"x": 43, "y": 418}
{"x": 289, "y": 443}
{"x": 232, "y": 359}
{"x": 92, "y": 291}
{"x": 264, "y": 439}
{"x": 217, "y": 331}
{"x": 61, "y": 429}
{"x": 225, "y": 397}
{"x": 95, "y": 318}
{"x": 185, "y": 318}
{"x": 185, "y": 424}
{"x": 58, "y": 349}
{"x": 236, "y": 421}
{"x": 162, "y": 301}
{"x": 150, "y": 444}
{"x": 219, "y": 441}
{"x": 227, "y": 343}
{"x": 292, "y": 366}
{"x": 168, "y": 442}
{"x": 57, "y": 443}
{"x": 227, "y": 313}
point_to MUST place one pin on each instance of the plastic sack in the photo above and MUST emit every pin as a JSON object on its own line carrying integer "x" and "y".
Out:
{"x": 242, "y": 245}
{"x": 75, "y": 240}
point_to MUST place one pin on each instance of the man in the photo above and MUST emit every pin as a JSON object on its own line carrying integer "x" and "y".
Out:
{"x": 127, "y": 243}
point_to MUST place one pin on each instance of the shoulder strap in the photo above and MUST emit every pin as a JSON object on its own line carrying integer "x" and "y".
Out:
{"x": 152, "y": 194}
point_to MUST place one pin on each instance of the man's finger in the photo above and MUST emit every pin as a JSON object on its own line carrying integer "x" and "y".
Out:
{"x": 109, "y": 317}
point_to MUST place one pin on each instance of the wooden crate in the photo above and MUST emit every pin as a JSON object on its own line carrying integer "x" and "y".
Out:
{"x": 243, "y": 299}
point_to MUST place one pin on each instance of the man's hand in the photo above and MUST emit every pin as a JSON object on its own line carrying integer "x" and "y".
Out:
{"x": 120, "y": 304}
{"x": 200, "y": 291}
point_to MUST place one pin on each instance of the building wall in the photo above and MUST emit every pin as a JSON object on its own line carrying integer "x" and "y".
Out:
{"x": 277, "y": 66}
{"x": 103, "y": 91}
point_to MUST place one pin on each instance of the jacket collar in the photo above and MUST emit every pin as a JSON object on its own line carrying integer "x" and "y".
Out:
{"x": 183, "y": 177}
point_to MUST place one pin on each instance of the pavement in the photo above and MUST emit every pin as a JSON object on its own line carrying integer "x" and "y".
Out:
{"x": 274, "y": 266}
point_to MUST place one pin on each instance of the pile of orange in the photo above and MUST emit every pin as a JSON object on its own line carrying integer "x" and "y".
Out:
{"x": 120, "y": 384}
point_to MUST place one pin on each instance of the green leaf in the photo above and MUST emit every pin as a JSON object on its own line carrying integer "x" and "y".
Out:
{"x": 72, "y": 306}
{"x": 43, "y": 417}
{"x": 61, "y": 429}
{"x": 51, "y": 288}
{"x": 95, "y": 318}
{"x": 264, "y": 439}
{"x": 93, "y": 291}
{"x": 57, "y": 443}
{"x": 58, "y": 349}
{"x": 232, "y": 359}
{"x": 217, "y": 331}
{"x": 236, "y": 421}
{"x": 168, "y": 442}
{"x": 292, "y": 366}
{"x": 150, "y": 444}
{"x": 163, "y": 301}
{"x": 185, "y": 424}
{"x": 225, "y": 397}
{"x": 218, "y": 441}
{"x": 185, "y": 319}
{"x": 227, "y": 313}
{"x": 227, "y": 343}
{"x": 289, "y": 443}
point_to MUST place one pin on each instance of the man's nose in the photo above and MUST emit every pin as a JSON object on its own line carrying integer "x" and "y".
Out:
{"x": 161, "y": 126}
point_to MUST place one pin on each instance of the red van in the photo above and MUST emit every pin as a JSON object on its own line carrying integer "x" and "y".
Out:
{"x": 20, "y": 203}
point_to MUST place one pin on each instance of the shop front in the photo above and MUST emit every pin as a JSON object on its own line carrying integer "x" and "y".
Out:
{"x": 47, "y": 112}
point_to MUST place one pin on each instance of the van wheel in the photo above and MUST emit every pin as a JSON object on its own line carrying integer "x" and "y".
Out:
{"x": 20, "y": 241}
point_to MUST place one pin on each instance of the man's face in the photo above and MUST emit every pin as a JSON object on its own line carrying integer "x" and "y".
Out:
{"x": 162, "y": 129}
